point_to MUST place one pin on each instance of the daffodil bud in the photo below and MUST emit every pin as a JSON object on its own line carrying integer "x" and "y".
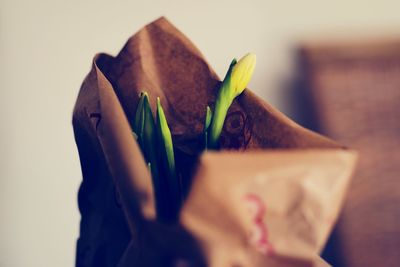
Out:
{"x": 241, "y": 74}
{"x": 234, "y": 83}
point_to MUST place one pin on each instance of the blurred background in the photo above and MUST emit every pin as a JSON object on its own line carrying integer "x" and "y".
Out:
{"x": 333, "y": 66}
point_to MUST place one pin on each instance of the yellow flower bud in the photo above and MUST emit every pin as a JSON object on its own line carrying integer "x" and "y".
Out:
{"x": 235, "y": 81}
{"x": 241, "y": 74}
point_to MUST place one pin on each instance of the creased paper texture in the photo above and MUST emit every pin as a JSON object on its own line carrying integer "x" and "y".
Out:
{"x": 271, "y": 199}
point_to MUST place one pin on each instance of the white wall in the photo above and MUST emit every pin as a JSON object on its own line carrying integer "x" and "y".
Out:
{"x": 46, "y": 48}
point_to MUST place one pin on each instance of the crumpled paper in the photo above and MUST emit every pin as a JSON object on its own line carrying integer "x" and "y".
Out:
{"x": 269, "y": 198}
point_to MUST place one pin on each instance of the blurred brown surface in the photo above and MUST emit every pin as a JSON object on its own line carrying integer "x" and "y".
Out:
{"x": 355, "y": 90}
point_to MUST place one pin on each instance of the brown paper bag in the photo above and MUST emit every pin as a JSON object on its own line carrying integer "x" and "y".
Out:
{"x": 270, "y": 198}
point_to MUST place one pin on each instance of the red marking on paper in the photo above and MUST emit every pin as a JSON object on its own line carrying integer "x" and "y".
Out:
{"x": 259, "y": 231}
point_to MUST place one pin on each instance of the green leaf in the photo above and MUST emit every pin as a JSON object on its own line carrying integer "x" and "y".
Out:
{"x": 138, "y": 125}
{"x": 149, "y": 135}
{"x": 165, "y": 137}
{"x": 207, "y": 123}
{"x": 222, "y": 104}
{"x": 168, "y": 158}
{"x": 208, "y": 118}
